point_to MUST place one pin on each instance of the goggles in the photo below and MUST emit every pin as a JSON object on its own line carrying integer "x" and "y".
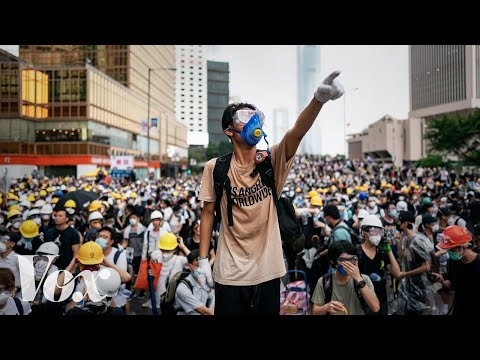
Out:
{"x": 352, "y": 260}
{"x": 243, "y": 116}
{"x": 375, "y": 231}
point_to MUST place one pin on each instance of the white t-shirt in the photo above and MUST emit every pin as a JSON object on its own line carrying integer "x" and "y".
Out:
{"x": 11, "y": 262}
{"x": 167, "y": 212}
{"x": 11, "y": 308}
{"x": 122, "y": 263}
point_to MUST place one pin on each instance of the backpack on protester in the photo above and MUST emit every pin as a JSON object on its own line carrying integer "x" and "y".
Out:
{"x": 290, "y": 229}
{"x": 167, "y": 299}
{"x": 355, "y": 238}
{"x": 327, "y": 283}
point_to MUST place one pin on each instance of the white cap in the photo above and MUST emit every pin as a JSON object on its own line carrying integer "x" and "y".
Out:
{"x": 402, "y": 206}
{"x": 49, "y": 247}
{"x": 96, "y": 215}
{"x": 46, "y": 209}
{"x": 156, "y": 215}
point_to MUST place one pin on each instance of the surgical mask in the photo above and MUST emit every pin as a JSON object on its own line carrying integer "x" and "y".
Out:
{"x": 374, "y": 239}
{"x": 196, "y": 273}
{"x": 371, "y": 204}
{"x": 37, "y": 221}
{"x": 4, "y": 297}
{"x": 436, "y": 227}
{"x": 133, "y": 221}
{"x": 393, "y": 213}
{"x": 454, "y": 255}
{"x": 17, "y": 224}
{"x": 167, "y": 257}
{"x": 342, "y": 270}
{"x": 102, "y": 242}
{"x": 252, "y": 131}
{"x": 11, "y": 203}
{"x": 3, "y": 247}
{"x": 131, "y": 201}
{"x": 27, "y": 239}
{"x": 40, "y": 268}
{"x": 46, "y": 217}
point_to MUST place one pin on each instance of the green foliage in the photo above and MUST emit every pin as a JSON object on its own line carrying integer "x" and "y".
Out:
{"x": 453, "y": 134}
{"x": 431, "y": 161}
{"x": 216, "y": 150}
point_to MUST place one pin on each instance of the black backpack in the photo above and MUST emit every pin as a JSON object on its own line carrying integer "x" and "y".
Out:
{"x": 167, "y": 299}
{"x": 328, "y": 290}
{"x": 290, "y": 228}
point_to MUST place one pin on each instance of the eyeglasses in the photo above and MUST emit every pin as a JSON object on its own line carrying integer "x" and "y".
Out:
{"x": 351, "y": 260}
{"x": 243, "y": 116}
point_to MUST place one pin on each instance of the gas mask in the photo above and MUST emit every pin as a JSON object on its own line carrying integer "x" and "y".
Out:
{"x": 252, "y": 130}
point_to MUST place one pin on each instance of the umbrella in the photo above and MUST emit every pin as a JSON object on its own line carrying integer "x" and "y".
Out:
{"x": 81, "y": 197}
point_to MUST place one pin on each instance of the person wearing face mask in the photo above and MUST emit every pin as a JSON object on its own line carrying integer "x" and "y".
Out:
{"x": 194, "y": 300}
{"x": 14, "y": 217}
{"x": 134, "y": 234}
{"x": 171, "y": 262}
{"x": 193, "y": 241}
{"x": 10, "y": 305}
{"x": 177, "y": 220}
{"x": 47, "y": 221}
{"x": 95, "y": 221}
{"x": 346, "y": 290}
{"x": 415, "y": 291}
{"x": 30, "y": 241}
{"x": 8, "y": 259}
{"x": 375, "y": 256}
{"x": 372, "y": 207}
{"x": 463, "y": 274}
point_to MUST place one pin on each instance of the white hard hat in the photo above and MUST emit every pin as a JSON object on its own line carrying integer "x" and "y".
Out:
{"x": 49, "y": 247}
{"x": 372, "y": 220}
{"x": 25, "y": 203}
{"x": 33, "y": 212}
{"x": 39, "y": 203}
{"x": 362, "y": 214}
{"x": 46, "y": 209}
{"x": 63, "y": 187}
{"x": 402, "y": 206}
{"x": 108, "y": 282}
{"x": 95, "y": 216}
{"x": 156, "y": 215}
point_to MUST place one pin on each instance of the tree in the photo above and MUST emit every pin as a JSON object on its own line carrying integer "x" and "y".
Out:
{"x": 454, "y": 134}
{"x": 216, "y": 150}
{"x": 431, "y": 161}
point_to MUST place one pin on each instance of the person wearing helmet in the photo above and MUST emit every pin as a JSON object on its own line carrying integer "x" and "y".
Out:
{"x": 416, "y": 291}
{"x": 375, "y": 256}
{"x": 47, "y": 221}
{"x": 153, "y": 233}
{"x": 35, "y": 216}
{"x": 29, "y": 241}
{"x": 65, "y": 237}
{"x": 14, "y": 217}
{"x": 463, "y": 271}
{"x": 95, "y": 223}
{"x": 166, "y": 253}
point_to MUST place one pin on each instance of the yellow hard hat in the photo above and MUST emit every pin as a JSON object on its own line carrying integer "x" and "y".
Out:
{"x": 72, "y": 189}
{"x": 357, "y": 187}
{"x": 456, "y": 183}
{"x": 316, "y": 201}
{"x": 389, "y": 185}
{"x": 133, "y": 195}
{"x": 11, "y": 196}
{"x": 405, "y": 190}
{"x": 437, "y": 183}
{"x": 333, "y": 188}
{"x": 90, "y": 253}
{"x": 334, "y": 180}
{"x": 29, "y": 229}
{"x": 311, "y": 194}
{"x": 106, "y": 204}
{"x": 95, "y": 205}
{"x": 49, "y": 189}
{"x": 175, "y": 193}
{"x": 13, "y": 212}
{"x": 31, "y": 198}
{"x": 22, "y": 186}
{"x": 349, "y": 191}
{"x": 179, "y": 188}
{"x": 168, "y": 241}
{"x": 298, "y": 190}
{"x": 55, "y": 200}
{"x": 42, "y": 193}
{"x": 378, "y": 192}
{"x": 70, "y": 204}
{"x": 383, "y": 184}
{"x": 13, "y": 207}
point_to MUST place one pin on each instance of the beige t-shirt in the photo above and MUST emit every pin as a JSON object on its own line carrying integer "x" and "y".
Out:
{"x": 250, "y": 251}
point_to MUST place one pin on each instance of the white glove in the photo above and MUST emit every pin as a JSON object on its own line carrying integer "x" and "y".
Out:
{"x": 329, "y": 89}
{"x": 205, "y": 275}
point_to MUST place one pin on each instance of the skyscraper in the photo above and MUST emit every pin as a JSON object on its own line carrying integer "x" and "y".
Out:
{"x": 308, "y": 77}
{"x": 218, "y": 92}
{"x": 191, "y": 92}
{"x": 280, "y": 124}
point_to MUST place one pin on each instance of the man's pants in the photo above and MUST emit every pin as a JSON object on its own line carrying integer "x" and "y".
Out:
{"x": 260, "y": 299}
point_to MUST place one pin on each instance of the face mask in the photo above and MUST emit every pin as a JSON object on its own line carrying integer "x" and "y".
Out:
{"x": 40, "y": 268}
{"x": 375, "y": 239}
{"x": 436, "y": 227}
{"x": 37, "y": 221}
{"x": 393, "y": 213}
{"x": 196, "y": 273}
{"x": 46, "y": 217}
{"x": 371, "y": 204}
{"x": 17, "y": 224}
{"x": 252, "y": 131}
{"x": 11, "y": 203}
{"x": 167, "y": 257}
{"x": 341, "y": 270}
{"x": 102, "y": 242}
{"x": 133, "y": 221}
{"x": 109, "y": 224}
{"x": 3, "y": 247}
{"x": 21, "y": 208}
{"x": 130, "y": 201}
{"x": 27, "y": 239}
{"x": 4, "y": 297}
{"x": 454, "y": 255}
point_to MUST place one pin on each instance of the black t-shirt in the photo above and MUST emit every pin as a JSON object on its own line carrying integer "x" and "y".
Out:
{"x": 475, "y": 212}
{"x": 20, "y": 249}
{"x": 192, "y": 245}
{"x": 65, "y": 240}
{"x": 377, "y": 266}
{"x": 466, "y": 280}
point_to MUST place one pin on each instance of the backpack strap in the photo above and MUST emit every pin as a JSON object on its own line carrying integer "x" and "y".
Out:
{"x": 265, "y": 169}
{"x": 327, "y": 287}
{"x": 117, "y": 255}
{"x": 19, "y": 305}
{"x": 188, "y": 284}
{"x": 363, "y": 304}
{"x": 221, "y": 180}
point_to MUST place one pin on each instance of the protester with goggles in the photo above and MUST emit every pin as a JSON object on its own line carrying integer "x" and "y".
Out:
{"x": 249, "y": 262}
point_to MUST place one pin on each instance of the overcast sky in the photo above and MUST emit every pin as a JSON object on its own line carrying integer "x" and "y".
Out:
{"x": 266, "y": 76}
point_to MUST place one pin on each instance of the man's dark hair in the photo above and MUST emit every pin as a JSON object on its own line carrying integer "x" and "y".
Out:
{"x": 331, "y": 210}
{"x": 149, "y": 202}
{"x": 230, "y": 110}
{"x": 194, "y": 254}
{"x": 339, "y": 247}
{"x": 387, "y": 205}
{"x": 107, "y": 228}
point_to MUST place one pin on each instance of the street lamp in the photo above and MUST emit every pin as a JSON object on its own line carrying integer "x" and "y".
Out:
{"x": 345, "y": 151}
{"x": 148, "y": 111}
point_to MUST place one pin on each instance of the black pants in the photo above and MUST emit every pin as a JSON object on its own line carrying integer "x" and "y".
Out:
{"x": 261, "y": 299}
